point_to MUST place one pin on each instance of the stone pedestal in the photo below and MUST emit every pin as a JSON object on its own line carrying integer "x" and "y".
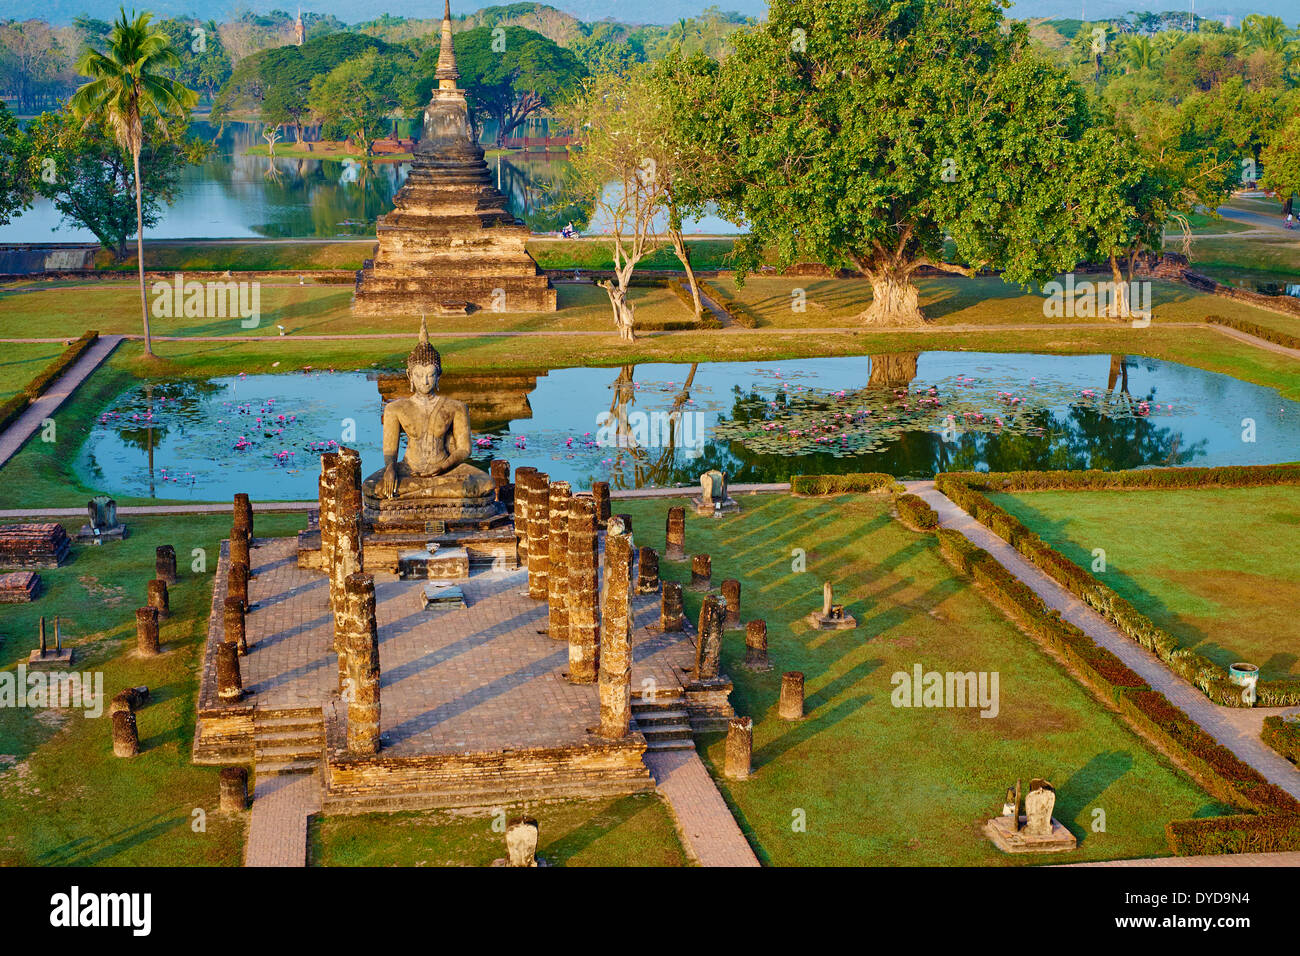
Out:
{"x": 235, "y": 629}
{"x": 158, "y": 597}
{"x": 670, "y": 608}
{"x": 230, "y": 687}
{"x": 539, "y": 526}
{"x": 165, "y": 563}
{"x": 126, "y": 737}
{"x": 559, "y": 501}
{"x": 676, "y": 535}
{"x": 521, "y": 843}
{"x": 103, "y": 524}
{"x": 756, "y": 647}
{"x": 791, "y": 704}
{"x": 708, "y": 646}
{"x": 584, "y": 619}
{"x": 360, "y": 639}
{"x": 832, "y": 616}
{"x": 731, "y": 595}
{"x": 647, "y": 577}
{"x": 714, "y": 499}
{"x": 234, "y": 789}
{"x": 701, "y": 573}
{"x": 740, "y": 748}
{"x": 616, "y": 633}
{"x": 1010, "y": 839}
{"x": 146, "y": 631}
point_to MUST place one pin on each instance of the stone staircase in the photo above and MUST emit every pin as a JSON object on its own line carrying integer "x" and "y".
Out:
{"x": 524, "y": 788}
{"x": 665, "y": 722}
{"x": 288, "y": 741}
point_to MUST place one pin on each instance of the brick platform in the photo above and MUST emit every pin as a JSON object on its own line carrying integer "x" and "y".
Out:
{"x": 44, "y": 545}
{"x": 19, "y": 587}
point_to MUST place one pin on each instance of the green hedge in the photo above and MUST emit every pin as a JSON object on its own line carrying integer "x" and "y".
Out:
{"x": 815, "y": 485}
{"x": 1259, "y": 331}
{"x": 11, "y": 408}
{"x": 1283, "y": 736}
{"x": 916, "y": 513}
{"x": 672, "y": 325}
{"x": 737, "y": 312}
{"x": 1240, "y": 834}
{"x": 966, "y": 490}
{"x": 37, "y": 386}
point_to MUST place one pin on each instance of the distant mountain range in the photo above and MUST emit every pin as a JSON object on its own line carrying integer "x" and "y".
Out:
{"x": 627, "y": 11}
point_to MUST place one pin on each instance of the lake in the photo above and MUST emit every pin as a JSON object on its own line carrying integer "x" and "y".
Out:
{"x": 661, "y": 425}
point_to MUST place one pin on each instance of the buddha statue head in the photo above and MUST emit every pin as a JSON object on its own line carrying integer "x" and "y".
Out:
{"x": 423, "y": 365}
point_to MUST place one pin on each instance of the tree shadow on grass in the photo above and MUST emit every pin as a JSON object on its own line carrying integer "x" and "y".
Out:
{"x": 804, "y": 730}
{"x": 89, "y": 851}
{"x": 1088, "y": 783}
{"x": 560, "y": 852}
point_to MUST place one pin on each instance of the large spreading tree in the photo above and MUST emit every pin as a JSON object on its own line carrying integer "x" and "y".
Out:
{"x": 894, "y": 135}
{"x": 15, "y": 180}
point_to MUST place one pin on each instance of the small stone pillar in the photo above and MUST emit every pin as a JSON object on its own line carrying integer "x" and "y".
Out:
{"x": 708, "y": 642}
{"x": 647, "y": 576}
{"x": 239, "y": 548}
{"x": 756, "y": 646}
{"x": 670, "y": 608}
{"x": 236, "y": 627}
{"x": 230, "y": 687}
{"x": 791, "y": 704}
{"x": 600, "y": 491}
{"x": 701, "y": 572}
{"x": 676, "y": 535}
{"x": 521, "y": 842}
{"x": 731, "y": 594}
{"x": 329, "y": 463}
{"x": 559, "y": 499}
{"x": 616, "y": 632}
{"x": 126, "y": 736}
{"x": 234, "y": 789}
{"x": 243, "y": 516}
{"x": 146, "y": 631}
{"x": 584, "y": 612}
{"x": 740, "y": 748}
{"x": 504, "y": 490}
{"x": 539, "y": 526}
{"x": 361, "y": 647}
{"x": 523, "y": 481}
{"x": 41, "y": 646}
{"x": 130, "y": 699}
{"x": 157, "y": 597}
{"x": 164, "y": 562}
{"x": 237, "y": 583}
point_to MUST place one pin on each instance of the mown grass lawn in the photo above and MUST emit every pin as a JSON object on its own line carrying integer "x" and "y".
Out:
{"x": 64, "y": 798}
{"x": 22, "y": 363}
{"x": 882, "y": 785}
{"x": 634, "y": 830}
{"x": 1219, "y": 568}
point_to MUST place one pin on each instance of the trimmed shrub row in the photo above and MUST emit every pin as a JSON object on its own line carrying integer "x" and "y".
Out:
{"x": 916, "y": 513}
{"x": 735, "y": 311}
{"x": 1239, "y": 834}
{"x": 966, "y": 490}
{"x": 676, "y": 287}
{"x": 37, "y": 386}
{"x": 1283, "y": 736}
{"x": 1259, "y": 331}
{"x": 11, "y": 408}
{"x": 1222, "y": 773}
{"x": 814, "y": 485}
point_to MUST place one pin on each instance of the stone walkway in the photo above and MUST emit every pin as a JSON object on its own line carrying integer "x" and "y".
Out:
{"x": 277, "y": 824}
{"x": 703, "y": 820}
{"x": 44, "y": 407}
{"x": 1236, "y": 728}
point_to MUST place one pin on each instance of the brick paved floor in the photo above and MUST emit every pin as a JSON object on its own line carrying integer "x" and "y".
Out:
{"x": 705, "y": 823}
{"x": 457, "y": 681}
{"x": 1236, "y": 728}
{"x": 277, "y": 824}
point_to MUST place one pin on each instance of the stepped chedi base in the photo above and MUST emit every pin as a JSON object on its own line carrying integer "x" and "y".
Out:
{"x": 450, "y": 246}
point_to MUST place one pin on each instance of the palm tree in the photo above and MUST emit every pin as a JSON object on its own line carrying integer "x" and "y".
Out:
{"x": 1266, "y": 33}
{"x": 126, "y": 86}
{"x": 1139, "y": 52}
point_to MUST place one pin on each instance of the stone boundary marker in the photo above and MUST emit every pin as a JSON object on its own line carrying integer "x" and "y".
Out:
{"x": 270, "y": 507}
{"x": 15, "y": 436}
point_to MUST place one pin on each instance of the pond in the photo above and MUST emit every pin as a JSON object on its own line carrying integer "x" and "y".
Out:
{"x": 235, "y": 196}
{"x": 661, "y": 425}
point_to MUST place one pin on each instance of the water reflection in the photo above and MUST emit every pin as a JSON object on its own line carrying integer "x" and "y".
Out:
{"x": 910, "y": 414}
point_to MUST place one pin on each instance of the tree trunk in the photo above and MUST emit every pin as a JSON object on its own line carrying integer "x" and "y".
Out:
{"x": 892, "y": 370}
{"x": 623, "y": 310}
{"x": 894, "y": 297}
{"x": 684, "y": 254}
{"x": 139, "y": 252}
{"x": 1119, "y": 305}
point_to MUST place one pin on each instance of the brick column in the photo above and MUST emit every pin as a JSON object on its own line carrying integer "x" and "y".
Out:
{"x": 360, "y": 639}
{"x": 243, "y": 515}
{"x": 559, "y": 497}
{"x": 126, "y": 738}
{"x": 756, "y": 646}
{"x": 146, "y": 631}
{"x": 701, "y": 572}
{"x": 233, "y": 617}
{"x": 158, "y": 598}
{"x": 647, "y": 576}
{"x": 616, "y": 632}
{"x": 347, "y": 553}
{"x": 600, "y": 491}
{"x": 584, "y": 615}
{"x": 164, "y": 561}
{"x": 708, "y": 644}
{"x": 523, "y": 481}
{"x": 237, "y": 582}
{"x": 676, "y": 535}
{"x": 234, "y": 789}
{"x": 539, "y": 526}
{"x": 230, "y": 687}
{"x": 670, "y": 608}
{"x": 791, "y": 703}
{"x": 740, "y": 748}
{"x": 731, "y": 594}
{"x": 239, "y": 548}
{"x": 329, "y": 463}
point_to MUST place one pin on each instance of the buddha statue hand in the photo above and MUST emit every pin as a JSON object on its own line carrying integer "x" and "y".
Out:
{"x": 388, "y": 484}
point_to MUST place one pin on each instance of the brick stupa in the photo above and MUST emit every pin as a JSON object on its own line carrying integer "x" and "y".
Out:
{"x": 450, "y": 245}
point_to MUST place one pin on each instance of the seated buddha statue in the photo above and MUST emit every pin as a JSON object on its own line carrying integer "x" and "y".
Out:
{"x": 435, "y": 471}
